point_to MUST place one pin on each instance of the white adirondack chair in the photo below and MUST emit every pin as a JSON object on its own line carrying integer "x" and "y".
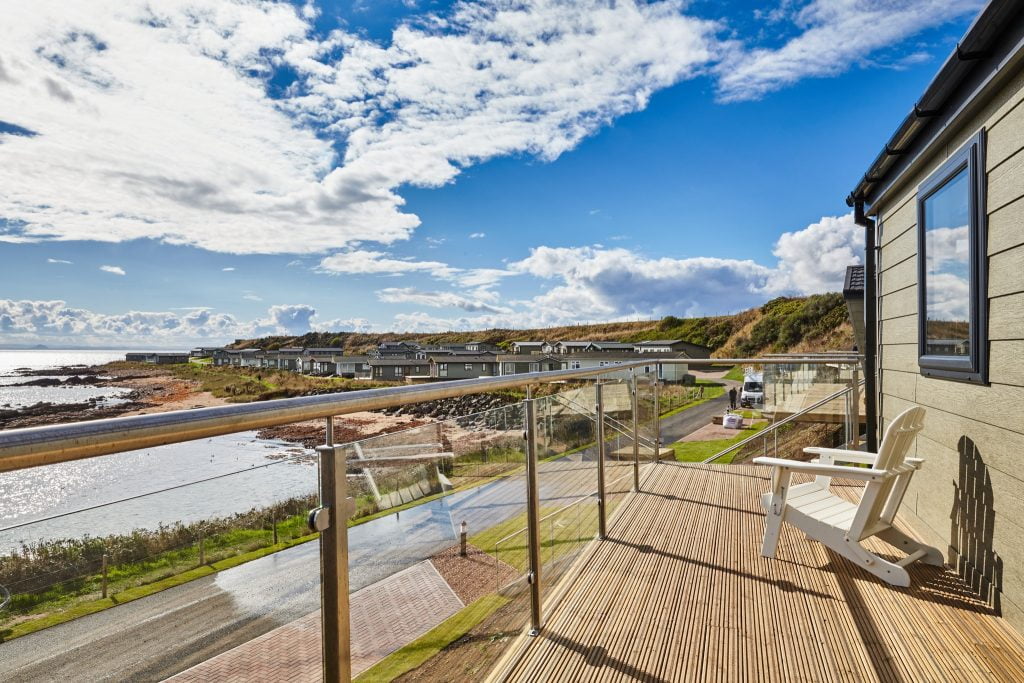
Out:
{"x": 840, "y": 524}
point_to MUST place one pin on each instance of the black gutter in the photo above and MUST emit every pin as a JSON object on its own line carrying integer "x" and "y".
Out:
{"x": 870, "y": 327}
{"x": 974, "y": 48}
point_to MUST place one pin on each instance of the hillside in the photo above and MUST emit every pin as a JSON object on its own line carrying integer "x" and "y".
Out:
{"x": 813, "y": 323}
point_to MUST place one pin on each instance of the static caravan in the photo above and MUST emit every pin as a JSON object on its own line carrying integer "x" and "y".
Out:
{"x": 943, "y": 210}
{"x": 521, "y": 363}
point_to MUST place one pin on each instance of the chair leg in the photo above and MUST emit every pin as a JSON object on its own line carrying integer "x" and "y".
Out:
{"x": 889, "y": 572}
{"x": 894, "y": 537}
{"x": 772, "y": 530}
{"x": 775, "y": 511}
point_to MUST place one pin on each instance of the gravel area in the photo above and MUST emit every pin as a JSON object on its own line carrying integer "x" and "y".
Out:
{"x": 472, "y": 576}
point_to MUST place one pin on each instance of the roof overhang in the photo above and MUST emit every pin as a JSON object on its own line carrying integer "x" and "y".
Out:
{"x": 988, "y": 54}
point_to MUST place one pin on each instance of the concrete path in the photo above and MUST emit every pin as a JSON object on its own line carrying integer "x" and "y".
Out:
{"x": 385, "y": 616}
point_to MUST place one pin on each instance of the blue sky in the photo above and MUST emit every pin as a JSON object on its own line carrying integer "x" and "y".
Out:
{"x": 225, "y": 169}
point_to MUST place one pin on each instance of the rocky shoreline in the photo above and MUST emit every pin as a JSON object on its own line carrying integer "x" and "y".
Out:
{"x": 450, "y": 408}
{"x": 137, "y": 398}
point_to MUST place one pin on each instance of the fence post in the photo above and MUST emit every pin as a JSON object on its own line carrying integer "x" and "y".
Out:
{"x": 462, "y": 538}
{"x": 202, "y": 548}
{"x": 273, "y": 524}
{"x": 330, "y": 519}
{"x": 533, "y": 515}
{"x": 636, "y": 433}
{"x": 106, "y": 560}
{"x": 602, "y": 518}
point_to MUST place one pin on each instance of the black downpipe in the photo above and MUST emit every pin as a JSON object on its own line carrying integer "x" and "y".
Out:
{"x": 870, "y": 326}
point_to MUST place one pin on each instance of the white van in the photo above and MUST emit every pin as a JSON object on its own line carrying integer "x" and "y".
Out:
{"x": 752, "y": 394}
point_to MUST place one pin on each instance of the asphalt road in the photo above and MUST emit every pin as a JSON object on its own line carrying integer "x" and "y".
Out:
{"x": 162, "y": 634}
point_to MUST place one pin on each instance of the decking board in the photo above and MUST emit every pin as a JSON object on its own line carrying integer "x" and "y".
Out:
{"x": 680, "y": 592}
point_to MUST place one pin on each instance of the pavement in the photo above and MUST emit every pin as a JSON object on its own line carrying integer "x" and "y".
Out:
{"x": 168, "y": 632}
{"x": 292, "y": 652}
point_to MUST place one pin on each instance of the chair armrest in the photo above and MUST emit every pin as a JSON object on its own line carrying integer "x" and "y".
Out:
{"x": 828, "y": 470}
{"x": 843, "y": 455}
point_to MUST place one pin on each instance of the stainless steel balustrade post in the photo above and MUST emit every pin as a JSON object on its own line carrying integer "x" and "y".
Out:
{"x": 602, "y": 517}
{"x": 334, "y": 611}
{"x": 657, "y": 416}
{"x": 533, "y": 515}
{"x": 636, "y": 434}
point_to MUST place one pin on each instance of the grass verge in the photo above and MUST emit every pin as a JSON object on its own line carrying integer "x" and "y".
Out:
{"x": 736, "y": 374}
{"x": 698, "y": 451}
{"x": 433, "y": 641}
{"x": 712, "y": 390}
{"x": 92, "y": 606}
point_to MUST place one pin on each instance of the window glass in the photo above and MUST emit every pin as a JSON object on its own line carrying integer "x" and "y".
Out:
{"x": 948, "y": 268}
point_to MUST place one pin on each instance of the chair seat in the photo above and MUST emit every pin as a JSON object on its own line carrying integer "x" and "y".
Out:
{"x": 817, "y": 502}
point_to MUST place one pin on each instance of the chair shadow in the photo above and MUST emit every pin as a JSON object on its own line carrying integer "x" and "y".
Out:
{"x": 972, "y": 525}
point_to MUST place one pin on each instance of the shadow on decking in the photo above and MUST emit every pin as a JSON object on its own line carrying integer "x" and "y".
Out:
{"x": 781, "y": 584}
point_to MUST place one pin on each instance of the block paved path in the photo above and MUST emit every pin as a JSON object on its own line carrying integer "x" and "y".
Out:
{"x": 385, "y": 616}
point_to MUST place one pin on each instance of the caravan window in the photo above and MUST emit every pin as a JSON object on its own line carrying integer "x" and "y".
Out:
{"x": 952, "y": 336}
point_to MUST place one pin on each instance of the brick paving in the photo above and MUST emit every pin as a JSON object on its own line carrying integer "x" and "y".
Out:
{"x": 385, "y": 616}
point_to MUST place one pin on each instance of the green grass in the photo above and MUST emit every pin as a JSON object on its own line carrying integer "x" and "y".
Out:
{"x": 736, "y": 374}
{"x": 433, "y": 641}
{"x": 560, "y": 535}
{"x": 242, "y": 385}
{"x": 712, "y": 390}
{"x": 698, "y": 451}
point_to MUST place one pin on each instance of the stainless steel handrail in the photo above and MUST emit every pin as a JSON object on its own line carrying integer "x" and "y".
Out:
{"x": 775, "y": 425}
{"x": 35, "y": 446}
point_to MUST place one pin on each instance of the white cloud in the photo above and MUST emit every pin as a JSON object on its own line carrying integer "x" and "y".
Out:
{"x": 292, "y": 318}
{"x": 363, "y": 262}
{"x": 249, "y": 296}
{"x": 58, "y": 260}
{"x": 56, "y": 322}
{"x": 483, "y": 277}
{"x": 949, "y": 297}
{"x": 947, "y": 247}
{"x": 165, "y": 108}
{"x": 832, "y": 36}
{"x": 589, "y": 284}
{"x": 481, "y": 300}
{"x": 113, "y": 270}
{"x": 228, "y": 270}
{"x": 599, "y": 284}
{"x": 815, "y": 259}
{"x": 477, "y": 235}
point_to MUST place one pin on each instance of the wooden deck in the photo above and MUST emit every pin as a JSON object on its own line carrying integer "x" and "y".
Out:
{"x": 680, "y": 592}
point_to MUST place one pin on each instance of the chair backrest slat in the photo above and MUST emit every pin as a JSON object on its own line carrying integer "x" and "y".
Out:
{"x": 891, "y": 455}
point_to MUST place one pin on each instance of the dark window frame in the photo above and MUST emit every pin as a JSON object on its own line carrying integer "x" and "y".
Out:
{"x": 973, "y": 368}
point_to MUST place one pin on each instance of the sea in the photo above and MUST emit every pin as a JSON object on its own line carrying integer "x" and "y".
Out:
{"x": 142, "y": 489}
{"x": 11, "y": 362}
